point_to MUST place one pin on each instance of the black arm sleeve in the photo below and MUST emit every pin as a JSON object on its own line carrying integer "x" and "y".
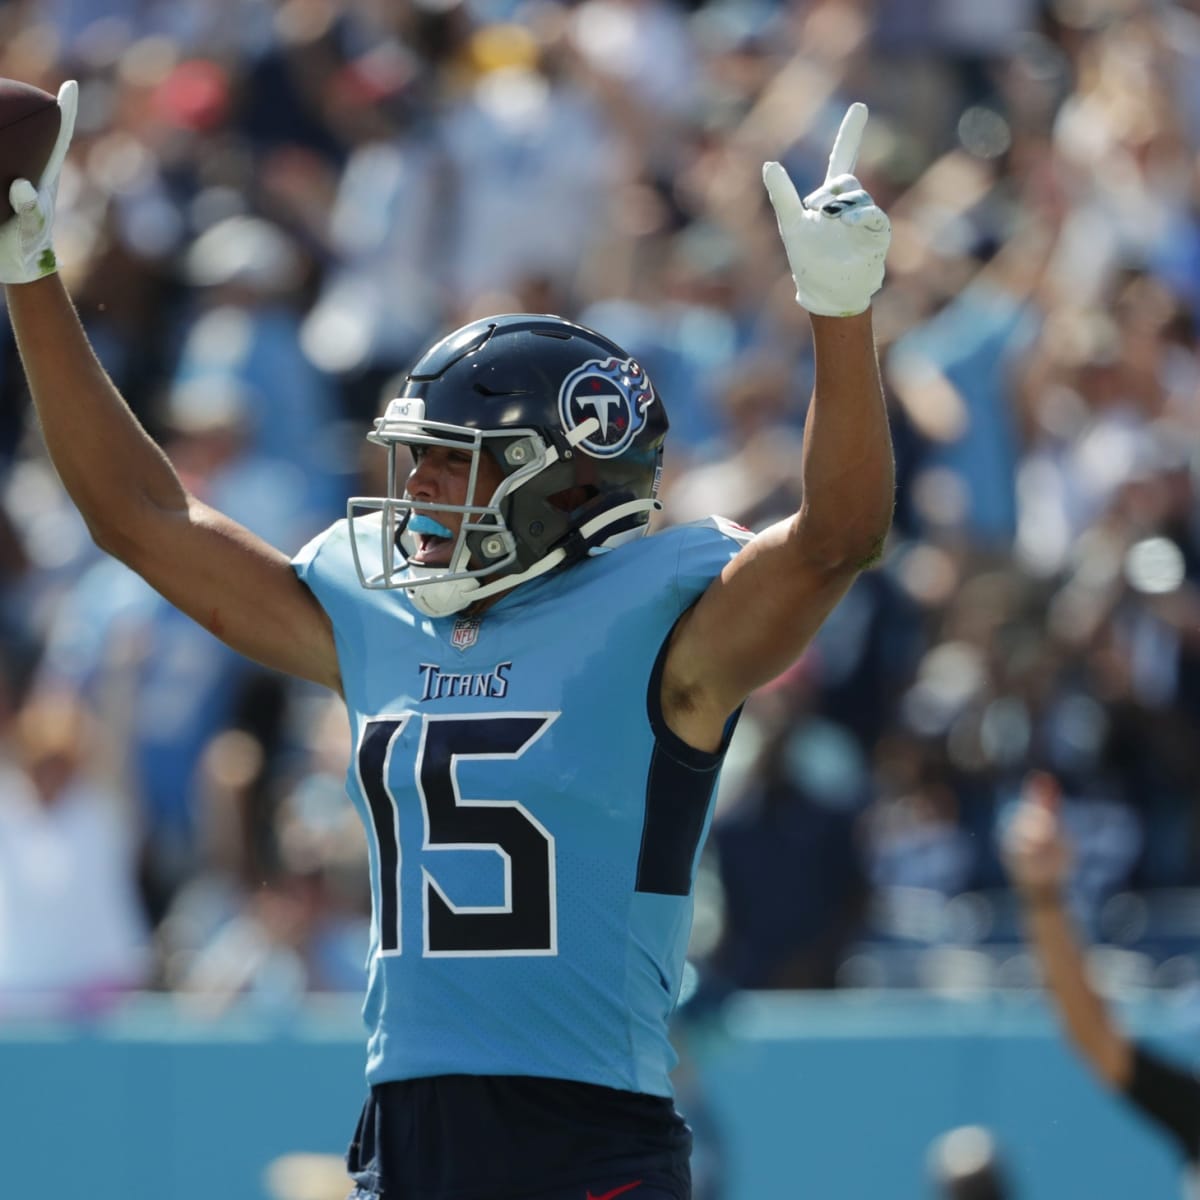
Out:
{"x": 1170, "y": 1096}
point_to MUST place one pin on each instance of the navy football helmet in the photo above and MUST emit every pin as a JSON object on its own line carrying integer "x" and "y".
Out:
{"x": 574, "y": 424}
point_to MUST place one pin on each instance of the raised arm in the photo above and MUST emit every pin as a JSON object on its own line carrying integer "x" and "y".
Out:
{"x": 1038, "y": 862}
{"x": 236, "y": 585}
{"x": 758, "y": 616}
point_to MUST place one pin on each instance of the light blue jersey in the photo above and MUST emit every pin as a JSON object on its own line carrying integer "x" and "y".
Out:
{"x": 533, "y": 826}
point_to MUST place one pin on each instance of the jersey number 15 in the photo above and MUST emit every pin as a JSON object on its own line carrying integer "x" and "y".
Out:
{"x": 525, "y": 923}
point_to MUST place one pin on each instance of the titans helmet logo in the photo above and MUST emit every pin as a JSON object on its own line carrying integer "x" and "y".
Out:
{"x": 615, "y": 392}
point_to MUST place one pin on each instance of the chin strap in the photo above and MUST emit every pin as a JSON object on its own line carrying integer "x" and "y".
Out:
{"x": 440, "y": 598}
{"x": 444, "y": 598}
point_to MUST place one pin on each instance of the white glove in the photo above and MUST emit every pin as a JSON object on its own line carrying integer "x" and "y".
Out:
{"x": 836, "y": 238}
{"x": 25, "y": 250}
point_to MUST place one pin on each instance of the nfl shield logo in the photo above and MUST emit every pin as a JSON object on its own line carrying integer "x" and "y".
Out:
{"x": 466, "y": 633}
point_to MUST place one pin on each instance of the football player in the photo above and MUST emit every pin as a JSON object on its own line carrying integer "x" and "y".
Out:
{"x": 540, "y": 696}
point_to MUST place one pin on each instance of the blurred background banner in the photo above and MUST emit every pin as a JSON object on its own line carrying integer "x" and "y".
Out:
{"x": 271, "y": 205}
{"x": 803, "y": 1096}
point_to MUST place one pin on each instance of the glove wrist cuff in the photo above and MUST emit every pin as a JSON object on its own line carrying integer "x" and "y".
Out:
{"x": 46, "y": 263}
{"x": 828, "y": 308}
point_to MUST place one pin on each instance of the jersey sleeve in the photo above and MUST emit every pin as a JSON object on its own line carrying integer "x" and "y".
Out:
{"x": 321, "y": 565}
{"x": 705, "y": 548}
{"x": 303, "y": 561}
{"x": 326, "y": 566}
{"x": 1169, "y": 1095}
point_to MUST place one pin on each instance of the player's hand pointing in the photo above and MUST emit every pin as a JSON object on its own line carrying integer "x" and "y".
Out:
{"x": 1035, "y": 850}
{"x": 26, "y": 253}
{"x": 836, "y": 238}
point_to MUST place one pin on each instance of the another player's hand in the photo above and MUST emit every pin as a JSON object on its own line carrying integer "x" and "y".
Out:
{"x": 26, "y": 252}
{"x": 1036, "y": 853}
{"x": 836, "y": 238}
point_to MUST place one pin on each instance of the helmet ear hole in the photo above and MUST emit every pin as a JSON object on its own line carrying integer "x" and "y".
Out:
{"x": 572, "y": 499}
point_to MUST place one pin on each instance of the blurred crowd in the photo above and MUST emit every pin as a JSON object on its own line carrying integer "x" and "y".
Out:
{"x": 272, "y": 205}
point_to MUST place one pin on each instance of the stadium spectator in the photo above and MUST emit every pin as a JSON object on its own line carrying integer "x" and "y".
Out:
{"x": 1039, "y": 859}
{"x": 73, "y": 935}
{"x": 966, "y": 1164}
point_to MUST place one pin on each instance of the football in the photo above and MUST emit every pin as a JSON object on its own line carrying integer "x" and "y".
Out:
{"x": 29, "y": 121}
